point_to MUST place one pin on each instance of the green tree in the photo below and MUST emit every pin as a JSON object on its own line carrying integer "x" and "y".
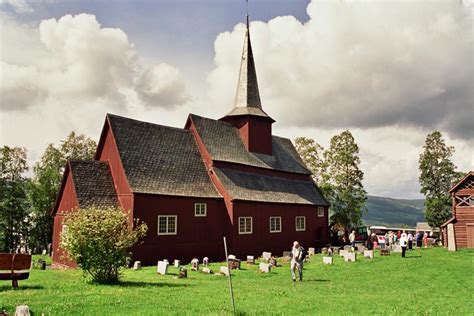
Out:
{"x": 13, "y": 198}
{"x": 99, "y": 241}
{"x": 347, "y": 194}
{"x": 312, "y": 155}
{"x": 48, "y": 173}
{"x": 437, "y": 175}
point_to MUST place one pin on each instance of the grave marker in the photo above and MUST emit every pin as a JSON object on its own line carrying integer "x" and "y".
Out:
{"x": 311, "y": 251}
{"x": 177, "y": 263}
{"x": 350, "y": 256}
{"x": 183, "y": 273}
{"x": 205, "y": 261}
{"x": 266, "y": 255}
{"x": 369, "y": 254}
{"x": 195, "y": 264}
{"x": 137, "y": 265}
{"x": 327, "y": 260}
{"x": 342, "y": 253}
{"x": 225, "y": 271}
{"x": 250, "y": 259}
{"x": 162, "y": 267}
{"x": 264, "y": 267}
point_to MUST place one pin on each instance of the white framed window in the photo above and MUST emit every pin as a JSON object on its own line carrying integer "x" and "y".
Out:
{"x": 320, "y": 211}
{"x": 275, "y": 224}
{"x": 200, "y": 209}
{"x": 64, "y": 230}
{"x": 167, "y": 224}
{"x": 300, "y": 223}
{"x": 245, "y": 225}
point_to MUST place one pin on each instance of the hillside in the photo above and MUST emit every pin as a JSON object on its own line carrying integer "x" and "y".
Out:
{"x": 393, "y": 212}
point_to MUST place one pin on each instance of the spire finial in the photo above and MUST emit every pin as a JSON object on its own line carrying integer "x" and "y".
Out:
{"x": 247, "y": 5}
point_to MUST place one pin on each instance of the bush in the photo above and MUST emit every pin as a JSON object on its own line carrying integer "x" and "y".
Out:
{"x": 99, "y": 240}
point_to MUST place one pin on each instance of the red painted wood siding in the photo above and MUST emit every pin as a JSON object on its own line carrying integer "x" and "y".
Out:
{"x": 67, "y": 203}
{"x": 256, "y": 132}
{"x": 196, "y": 236}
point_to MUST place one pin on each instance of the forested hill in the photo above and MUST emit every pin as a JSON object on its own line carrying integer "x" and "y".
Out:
{"x": 393, "y": 212}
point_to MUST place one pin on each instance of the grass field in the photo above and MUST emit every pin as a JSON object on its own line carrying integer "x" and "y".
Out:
{"x": 430, "y": 282}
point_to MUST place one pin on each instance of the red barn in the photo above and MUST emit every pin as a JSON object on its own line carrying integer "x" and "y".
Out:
{"x": 458, "y": 232}
{"x": 228, "y": 177}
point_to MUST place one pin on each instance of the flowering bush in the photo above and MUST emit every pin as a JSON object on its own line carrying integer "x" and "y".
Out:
{"x": 99, "y": 240}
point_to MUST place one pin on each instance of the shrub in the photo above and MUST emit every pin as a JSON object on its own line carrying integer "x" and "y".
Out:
{"x": 99, "y": 240}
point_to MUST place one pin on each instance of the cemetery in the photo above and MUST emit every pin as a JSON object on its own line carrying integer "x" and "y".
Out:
{"x": 326, "y": 288}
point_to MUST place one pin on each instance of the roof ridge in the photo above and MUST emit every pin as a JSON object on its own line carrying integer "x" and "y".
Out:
{"x": 146, "y": 122}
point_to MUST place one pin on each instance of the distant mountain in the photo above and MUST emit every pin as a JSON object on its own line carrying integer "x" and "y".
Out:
{"x": 393, "y": 212}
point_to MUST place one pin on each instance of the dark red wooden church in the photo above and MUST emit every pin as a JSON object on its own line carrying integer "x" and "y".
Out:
{"x": 228, "y": 177}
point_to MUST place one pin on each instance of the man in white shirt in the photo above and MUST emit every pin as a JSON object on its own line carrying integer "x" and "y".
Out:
{"x": 352, "y": 238}
{"x": 403, "y": 243}
{"x": 410, "y": 241}
{"x": 297, "y": 261}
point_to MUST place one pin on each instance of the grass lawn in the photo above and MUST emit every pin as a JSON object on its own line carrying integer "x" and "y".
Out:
{"x": 430, "y": 282}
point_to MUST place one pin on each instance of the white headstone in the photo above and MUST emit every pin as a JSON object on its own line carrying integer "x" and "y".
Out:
{"x": 205, "y": 261}
{"x": 347, "y": 247}
{"x": 397, "y": 248}
{"x": 166, "y": 260}
{"x": 44, "y": 252}
{"x": 137, "y": 265}
{"x": 232, "y": 257}
{"x": 361, "y": 248}
{"x": 266, "y": 255}
{"x": 177, "y": 263}
{"x": 206, "y": 270}
{"x": 224, "y": 270}
{"x": 342, "y": 253}
{"x": 195, "y": 264}
{"x": 369, "y": 254}
{"x": 451, "y": 239}
{"x": 327, "y": 260}
{"x": 311, "y": 251}
{"x": 162, "y": 267}
{"x": 350, "y": 256}
{"x": 22, "y": 310}
{"x": 265, "y": 267}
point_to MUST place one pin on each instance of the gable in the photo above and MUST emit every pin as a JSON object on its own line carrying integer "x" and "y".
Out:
{"x": 160, "y": 160}
{"x": 223, "y": 142}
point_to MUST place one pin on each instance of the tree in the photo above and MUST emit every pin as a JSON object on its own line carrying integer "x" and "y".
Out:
{"x": 13, "y": 198}
{"x": 347, "y": 194}
{"x": 312, "y": 155}
{"x": 48, "y": 173}
{"x": 437, "y": 175}
{"x": 99, "y": 240}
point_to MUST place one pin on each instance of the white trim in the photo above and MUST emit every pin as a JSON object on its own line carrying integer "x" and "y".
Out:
{"x": 167, "y": 226}
{"x": 270, "y": 223}
{"x": 245, "y": 218}
{"x": 304, "y": 224}
{"x": 321, "y": 208}
{"x": 195, "y": 209}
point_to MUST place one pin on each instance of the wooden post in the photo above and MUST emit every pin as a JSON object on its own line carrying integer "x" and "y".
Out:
{"x": 230, "y": 278}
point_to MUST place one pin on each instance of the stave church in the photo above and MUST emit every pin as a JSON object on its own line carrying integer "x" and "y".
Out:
{"x": 194, "y": 185}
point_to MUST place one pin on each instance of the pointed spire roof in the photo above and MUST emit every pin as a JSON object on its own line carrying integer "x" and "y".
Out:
{"x": 247, "y": 98}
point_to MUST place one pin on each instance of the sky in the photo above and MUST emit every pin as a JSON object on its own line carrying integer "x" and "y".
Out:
{"x": 389, "y": 71}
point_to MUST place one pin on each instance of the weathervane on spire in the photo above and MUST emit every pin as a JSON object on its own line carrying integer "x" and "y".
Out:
{"x": 247, "y": 6}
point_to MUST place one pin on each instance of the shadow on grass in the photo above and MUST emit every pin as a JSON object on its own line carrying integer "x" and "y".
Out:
{"x": 143, "y": 284}
{"x": 20, "y": 288}
{"x": 413, "y": 257}
{"x": 315, "y": 280}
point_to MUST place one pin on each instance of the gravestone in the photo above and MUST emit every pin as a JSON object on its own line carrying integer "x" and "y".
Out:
{"x": 451, "y": 239}
{"x": 350, "y": 256}
{"x": 286, "y": 254}
{"x": 195, "y": 264}
{"x": 137, "y": 265}
{"x": 369, "y": 254}
{"x": 234, "y": 263}
{"x": 384, "y": 252}
{"x": 273, "y": 262}
{"x": 361, "y": 248}
{"x": 22, "y": 310}
{"x": 335, "y": 250}
{"x": 162, "y": 267}
{"x": 266, "y": 256}
{"x": 205, "y": 261}
{"x": 183, "y": 273}
{"x": 342, "y": 253}
{"x": 311, "y": 251}
{"x": 348, "y": 247}
{"x": 207, "y": 270}
{"x": 264, "y": 267}
{"x": 44, "y": 252}
{"x": 324, "y": 251}
{"x": 250, "y": 259}
{"x": 397, "y": 248}
{"x": 166, "y": 260}
{"x": 177, "y": 263}
{"x": 224, "y": 270}
{"x": 327, "y": 260}
{"x": 330, "y": 252}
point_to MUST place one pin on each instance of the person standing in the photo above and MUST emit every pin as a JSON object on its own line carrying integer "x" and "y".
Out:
{"x": 297, "y": 261}
{"x": 425, "y": 240}
{"x": 403, "y": 243}
{"x": 352, "y": 239}
{"x": 410, "y": 241}
{"x": 418, "y": 239}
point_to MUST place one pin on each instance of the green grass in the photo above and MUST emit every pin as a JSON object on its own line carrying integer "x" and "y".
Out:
{"x": 431, "y": 282}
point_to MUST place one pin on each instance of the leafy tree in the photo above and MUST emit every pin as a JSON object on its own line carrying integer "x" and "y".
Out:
{"x": 312, "y": 155}
{"x": 99, "y": 241}
{"x": 347, "y": 194}
{"x": 48, "y": 173}
{"x": 437, "y": 175}
{"x": 13, "y": 198}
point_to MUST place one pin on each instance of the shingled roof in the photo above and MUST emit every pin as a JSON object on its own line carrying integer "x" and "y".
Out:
{"x": 160, "y": 159}
{"x": 223, "y": 142}
{"x": 253, "y": 187}
{"x": 93, "y": 184}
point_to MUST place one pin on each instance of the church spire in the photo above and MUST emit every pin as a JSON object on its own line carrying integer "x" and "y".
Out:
{"x": 247, "y": 97}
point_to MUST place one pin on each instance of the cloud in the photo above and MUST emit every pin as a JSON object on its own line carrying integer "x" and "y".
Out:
{"x": 73, "y": 61}
{"x": 360, "y": 65}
